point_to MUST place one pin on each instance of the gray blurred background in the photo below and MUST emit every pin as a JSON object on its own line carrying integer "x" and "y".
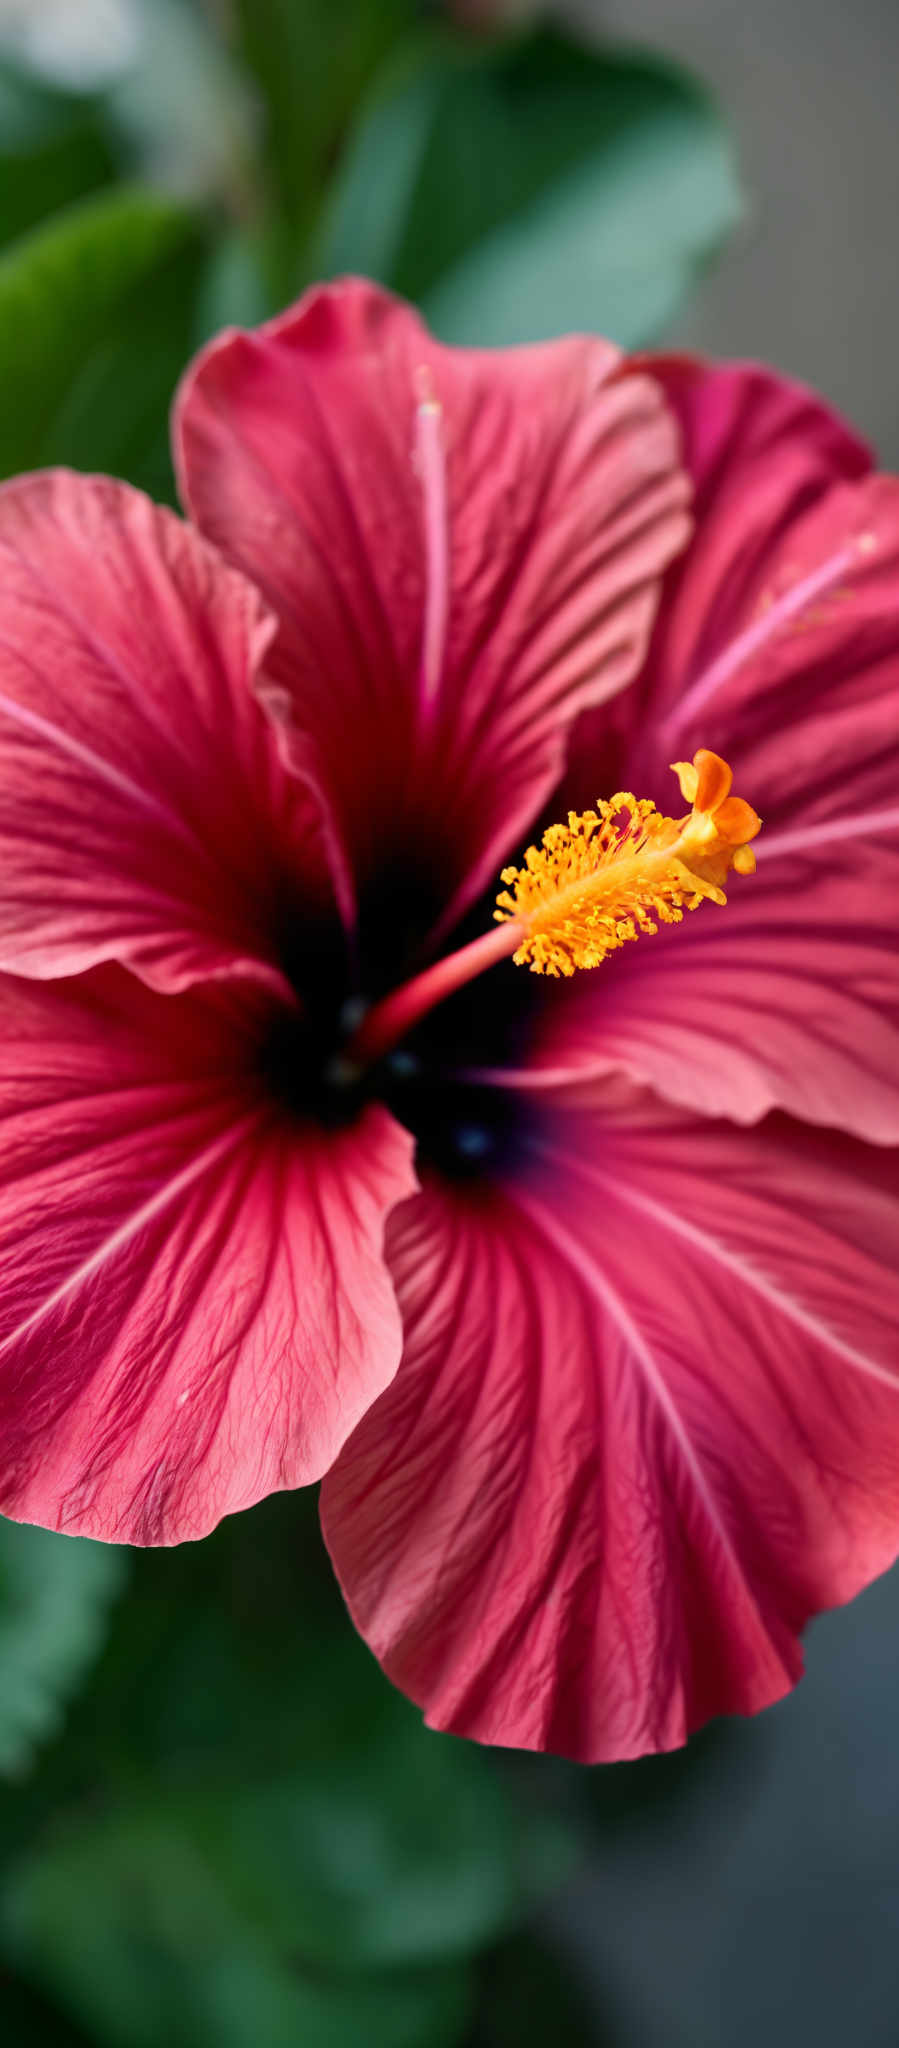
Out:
{"x": 756, "y": 1897}
{"x": 812, "y": 282}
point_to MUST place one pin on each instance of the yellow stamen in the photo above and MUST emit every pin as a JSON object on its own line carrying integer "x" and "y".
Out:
{"x": 623, "y": 869}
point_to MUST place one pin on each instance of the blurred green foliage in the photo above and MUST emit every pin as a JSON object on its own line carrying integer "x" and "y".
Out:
{"x": 54, "y": 146}
{"x": 246, "y": 1834}
{"x": 148, "y": 1938}
{"x": 311, "y": 63}
{"x": 95, "y": 326}
{"x": 220, "y": 1824}
{"x": 529, "y": 188}
{"x": 53, "y": 1600}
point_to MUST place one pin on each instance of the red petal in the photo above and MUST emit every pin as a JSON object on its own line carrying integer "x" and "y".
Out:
{"x": 196, "y": 1309}
{"x": 778, "y": 646}
{"x": 761, "y": 451}
{"x": 463, "y": 549}
{"x": 646, "y": 1422}
{"x": 144, "y": 814}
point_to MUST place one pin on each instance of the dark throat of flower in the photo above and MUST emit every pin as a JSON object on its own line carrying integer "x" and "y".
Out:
{"x": 605, "y": 877}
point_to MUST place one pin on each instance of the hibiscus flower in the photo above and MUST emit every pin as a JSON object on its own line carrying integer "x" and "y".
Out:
{"x": 578, "y": 1288}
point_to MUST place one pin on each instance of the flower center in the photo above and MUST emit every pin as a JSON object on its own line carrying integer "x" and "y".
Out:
{"x": 605, "y": 877}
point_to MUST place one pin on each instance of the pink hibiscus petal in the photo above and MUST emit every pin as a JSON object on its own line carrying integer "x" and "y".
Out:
{"x": 144, "y": 813}
{"x": 761, "y": 452}
{"x": 644, "y": 1426}
{"x": 463, "y": 549}
{"x": 196, "y": 1309}
{"x": 778, "y": 647}
{"x": 789, "y": 997}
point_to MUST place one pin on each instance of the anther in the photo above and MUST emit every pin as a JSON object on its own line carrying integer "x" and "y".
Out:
{"x": 615, "y": 873}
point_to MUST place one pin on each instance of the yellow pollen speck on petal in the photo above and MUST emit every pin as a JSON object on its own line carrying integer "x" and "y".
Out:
{"x": 622, "y": 870}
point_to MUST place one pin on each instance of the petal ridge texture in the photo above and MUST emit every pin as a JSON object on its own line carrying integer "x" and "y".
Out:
{"x": 602, "y": 1385}
{"x": 463, "y": 548}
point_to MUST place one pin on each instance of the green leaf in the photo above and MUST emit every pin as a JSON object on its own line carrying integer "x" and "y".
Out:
{"x": 141, "y": 1935}
{"x": 521, "y": 190}
{"x": 96, "y": 310}
{"x": 53, "y": 149}
{"x": 403, "y": 1849}
{"x": 311, "y": 60}
{"x": 54, "y": 1596}
{"x": 354, "y": 1834}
